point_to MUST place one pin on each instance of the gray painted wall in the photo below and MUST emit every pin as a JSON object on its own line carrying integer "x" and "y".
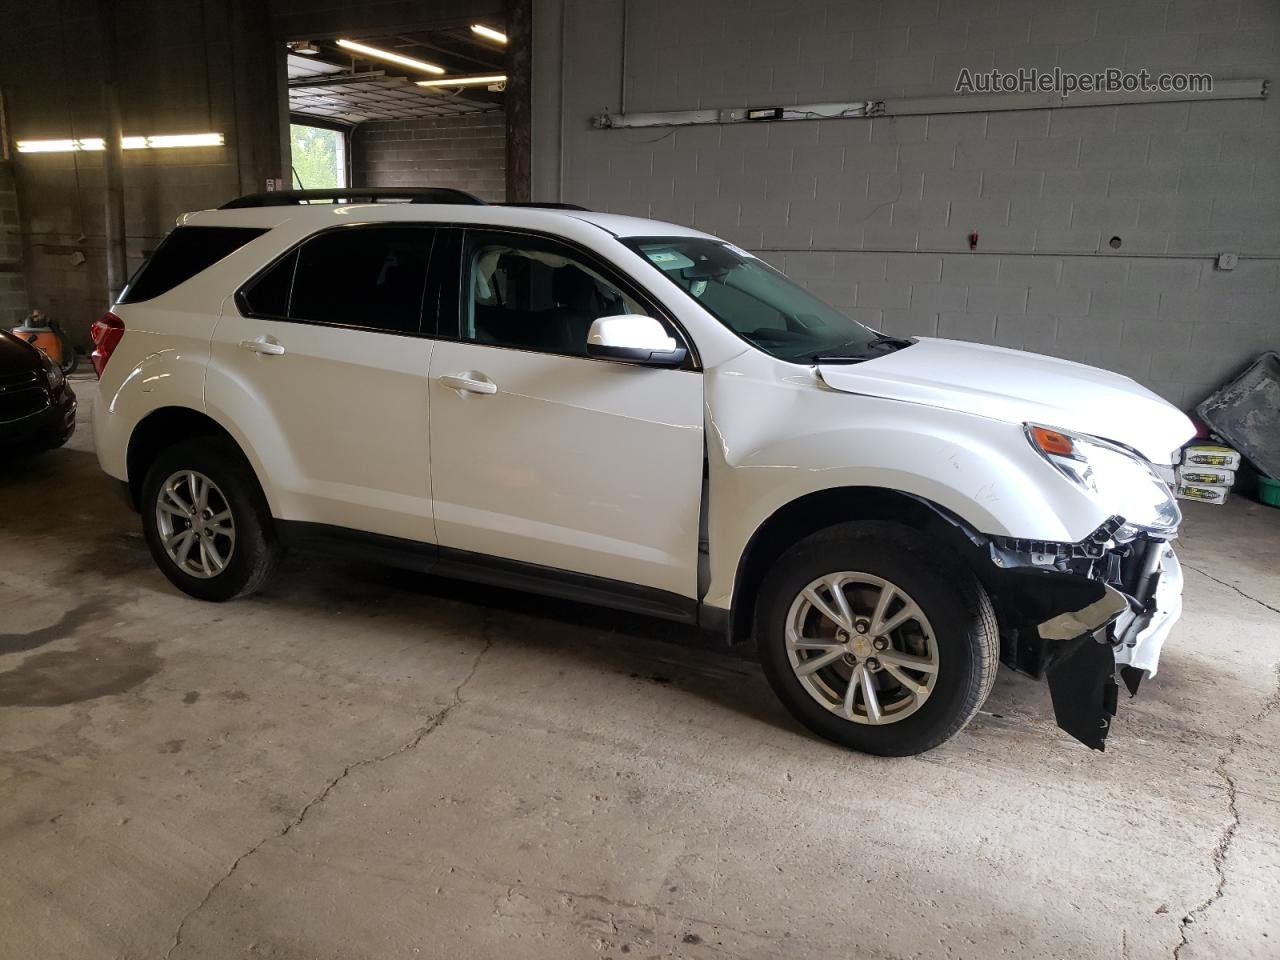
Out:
{"x": 874, "y": 215}
{"x": 466, "y": 153}
{"x": 186, "y": 66}
{"x": 13, "y": 290}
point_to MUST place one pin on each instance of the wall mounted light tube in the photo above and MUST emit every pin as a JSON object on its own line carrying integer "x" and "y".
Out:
{"x": 923, "y": 106}
{"x": 61, "y": 146}
{"x": 92, "y": 144}
{"x": 168, "y": 140}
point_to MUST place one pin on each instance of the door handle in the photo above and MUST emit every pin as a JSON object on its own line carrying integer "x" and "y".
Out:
{"x": 468, "y": 383}
{"x": 264, "y": 346}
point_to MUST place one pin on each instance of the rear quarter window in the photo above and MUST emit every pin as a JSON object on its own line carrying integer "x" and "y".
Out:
{"x": 268, "y": 295}
{"x": 185, "y": 252}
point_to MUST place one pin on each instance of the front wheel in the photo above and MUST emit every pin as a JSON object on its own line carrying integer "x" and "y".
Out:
{"x": 206, "y": 520}
{"x": 874, "y": 639}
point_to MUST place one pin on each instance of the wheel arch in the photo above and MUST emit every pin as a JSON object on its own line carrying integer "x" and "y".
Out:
{"x": 161, "y": 428}
{"x": 816, "y": 511}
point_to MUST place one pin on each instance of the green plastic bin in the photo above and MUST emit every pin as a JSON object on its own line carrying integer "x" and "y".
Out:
{"x": 1269, "y": 491}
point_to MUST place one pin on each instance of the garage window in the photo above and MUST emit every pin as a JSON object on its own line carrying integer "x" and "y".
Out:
{"x": 319, "y": 157}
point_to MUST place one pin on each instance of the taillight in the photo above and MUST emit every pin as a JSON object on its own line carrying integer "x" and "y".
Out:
{"x": 105, "y": 333}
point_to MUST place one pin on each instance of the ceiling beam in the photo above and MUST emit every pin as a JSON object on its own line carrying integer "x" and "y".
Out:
{"x": 490, "y": 64}
{"x": 335, "y": 79}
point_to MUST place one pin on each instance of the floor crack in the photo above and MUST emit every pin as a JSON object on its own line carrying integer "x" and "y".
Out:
{"x": 1209, "y": 576}
{"x": 1228, "y": 835}
{"x": 434, "y": 722}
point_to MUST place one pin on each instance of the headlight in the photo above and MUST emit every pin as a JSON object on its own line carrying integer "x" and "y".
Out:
{"x": 1124, "y": 483}
{"x": 53, "y": 375}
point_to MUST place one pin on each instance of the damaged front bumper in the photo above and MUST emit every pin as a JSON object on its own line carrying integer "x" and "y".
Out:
{"x": 1140, "y": 636}
{"x": 1074, "y": 613}
{"x": 1118, "y": 630}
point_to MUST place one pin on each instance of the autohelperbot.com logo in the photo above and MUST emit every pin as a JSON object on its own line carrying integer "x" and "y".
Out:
{"x": 1064, "y": 82}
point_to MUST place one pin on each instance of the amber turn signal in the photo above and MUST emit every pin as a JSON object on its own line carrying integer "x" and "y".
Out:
{"x": 1053, "y": 442}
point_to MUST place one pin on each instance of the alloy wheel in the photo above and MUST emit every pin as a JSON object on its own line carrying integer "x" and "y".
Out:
{"x": 195, "y": 523}
{"x": 861, "y": 647}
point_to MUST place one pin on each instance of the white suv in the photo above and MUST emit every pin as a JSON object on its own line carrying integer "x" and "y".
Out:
{"x": 636, "y": 414}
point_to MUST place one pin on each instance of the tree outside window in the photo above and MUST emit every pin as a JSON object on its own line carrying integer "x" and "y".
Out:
{"x": 319, "y": 157}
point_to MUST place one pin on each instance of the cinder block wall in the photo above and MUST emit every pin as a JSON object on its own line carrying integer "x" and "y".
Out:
{"x": 13, "y": 289}
{"x": 466, "y": 153}
{"x": 875, "y": 215}
{"x": 185, "y": 67}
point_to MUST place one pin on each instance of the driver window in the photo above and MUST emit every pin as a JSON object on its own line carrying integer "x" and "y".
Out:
{"x": 529, "y": 294}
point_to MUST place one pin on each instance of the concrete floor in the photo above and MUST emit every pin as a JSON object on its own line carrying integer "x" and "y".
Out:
{"x": 363, "y": 763}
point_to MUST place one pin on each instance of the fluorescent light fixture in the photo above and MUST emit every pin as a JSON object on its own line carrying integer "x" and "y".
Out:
{"x": 127, "y": 143}
{"x": 61, "y": 146}
{"x": 390, "y": 57}
{"x": 489, "y": 33}
{"x": 465, "y": 81}
{"x": 175, "y": 140}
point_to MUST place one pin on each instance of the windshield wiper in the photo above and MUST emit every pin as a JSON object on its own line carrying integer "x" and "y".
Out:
{"x": 877, "y": 347}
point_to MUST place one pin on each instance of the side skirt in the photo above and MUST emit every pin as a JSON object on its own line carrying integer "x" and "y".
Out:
{"x": 494, "y": 571}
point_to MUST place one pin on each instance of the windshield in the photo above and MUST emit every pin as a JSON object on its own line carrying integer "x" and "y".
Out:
{"x": 760, "y": 304}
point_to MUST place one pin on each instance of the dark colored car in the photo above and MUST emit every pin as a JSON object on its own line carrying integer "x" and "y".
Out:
{"x": 37, "y": 405}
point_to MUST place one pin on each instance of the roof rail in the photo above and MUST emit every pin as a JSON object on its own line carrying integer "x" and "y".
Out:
{"x": 543, "y": 206}
{"x": 286, "y": 198}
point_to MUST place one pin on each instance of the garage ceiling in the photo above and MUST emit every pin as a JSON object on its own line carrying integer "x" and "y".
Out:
{"x": 336, "y": 85}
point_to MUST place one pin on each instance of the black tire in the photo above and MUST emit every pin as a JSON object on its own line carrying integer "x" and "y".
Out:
{"x": 257, "y": 549}
{"x": 955, "y": 604}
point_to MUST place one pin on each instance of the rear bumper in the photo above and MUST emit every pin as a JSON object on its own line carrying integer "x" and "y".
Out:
{"x": 110, "y": 435}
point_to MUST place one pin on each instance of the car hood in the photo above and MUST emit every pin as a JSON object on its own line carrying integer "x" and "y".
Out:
{"x": 16, "y": 355}
{"x": 1019, "y": 387}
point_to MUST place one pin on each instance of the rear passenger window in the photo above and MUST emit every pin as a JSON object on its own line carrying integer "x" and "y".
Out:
{"x": 268, "y": 296}
{"x": 371, "y": 277}
{"x": 181, "y": 255}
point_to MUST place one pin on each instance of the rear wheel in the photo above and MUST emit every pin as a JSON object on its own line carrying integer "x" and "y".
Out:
{"x": 876, "y": 640}
{"x": 206, "y": 520}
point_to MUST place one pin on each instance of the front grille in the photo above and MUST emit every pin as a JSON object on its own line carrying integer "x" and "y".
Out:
{"x": 18, "y": 381}
{"x": 21, "y": 395}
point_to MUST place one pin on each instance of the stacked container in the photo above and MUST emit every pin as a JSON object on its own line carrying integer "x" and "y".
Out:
{"x": 1207, "y": 472}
